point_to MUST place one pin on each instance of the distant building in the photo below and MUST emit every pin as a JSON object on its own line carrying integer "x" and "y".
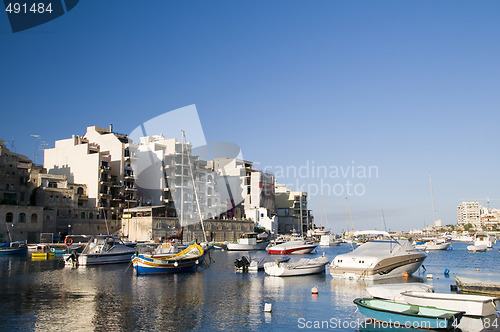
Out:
{"x": 292, "y": 210}
{"x": 469, "y": 213}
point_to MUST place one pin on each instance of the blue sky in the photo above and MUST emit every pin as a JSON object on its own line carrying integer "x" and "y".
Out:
{"x": 410, "y": 87}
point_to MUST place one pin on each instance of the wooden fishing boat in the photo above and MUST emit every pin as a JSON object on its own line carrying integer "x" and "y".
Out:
{"x": 473, "y": 305}
{"x": 186, "y": 260}
{"x": 407, "y": 315}
{"x": 478, "y": 286}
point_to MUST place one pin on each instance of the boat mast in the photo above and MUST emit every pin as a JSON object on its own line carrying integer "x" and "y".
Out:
{"x": 195, "y": 193}
{"x": 433, "y": 206}
{"x": 182, "y": 178}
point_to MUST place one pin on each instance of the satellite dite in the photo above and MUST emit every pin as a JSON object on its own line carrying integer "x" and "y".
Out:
{"x": 206, "y": 176}
{"x": 26, "y": 14}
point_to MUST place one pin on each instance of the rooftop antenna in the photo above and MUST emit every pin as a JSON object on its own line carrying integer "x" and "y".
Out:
{"x": 12, "y": 147}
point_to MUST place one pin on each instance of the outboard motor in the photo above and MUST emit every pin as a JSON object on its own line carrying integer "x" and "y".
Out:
{"x": 242, "y": 263}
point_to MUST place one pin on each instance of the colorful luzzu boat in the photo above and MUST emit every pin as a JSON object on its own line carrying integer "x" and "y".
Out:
{"x": 186, "y": 260}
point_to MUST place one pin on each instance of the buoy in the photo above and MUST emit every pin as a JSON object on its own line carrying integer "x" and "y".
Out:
{"x": 477, "y": 269}
{"x": 268, "y": 307}
{"x": 405, "y": 275}
{"x": 430, "y": 276}
{"x": 315, "y": 290}
{"x": 446, "y": 272}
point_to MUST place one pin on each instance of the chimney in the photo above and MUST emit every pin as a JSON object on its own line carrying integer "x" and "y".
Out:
{"x": 110, "y": 127}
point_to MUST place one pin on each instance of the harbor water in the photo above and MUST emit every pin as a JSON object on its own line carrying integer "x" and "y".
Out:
{"x": 46, "y": 296}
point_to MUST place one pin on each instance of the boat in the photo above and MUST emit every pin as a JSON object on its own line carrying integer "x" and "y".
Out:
{"x": 219, "y": 245}
{"x": 303, "y": 267}
{"x": 295, "y": 247}
{"x": 473, "y": 305}
{"x": 483, "y": 239}
{"x": 477, "y": 248}
{"x": 407, "y": 315}
{"x": 436, "y": 244}
{"x": 36, "y": 256}
{"x": 256, "y": 264}
{"x": 329, "y": 241}
{"x": 17, "y": 248}
{"x": 378, "y": 259}
{"x": 101, "y": 249}
{"x": 186, "y": 260}
{"x": 471, "y": 285}
{"x": 248, "y": 241}
{"x": 392, "y": 292}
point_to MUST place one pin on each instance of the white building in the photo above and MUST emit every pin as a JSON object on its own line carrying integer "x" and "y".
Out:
{"x": 469, "y": 213}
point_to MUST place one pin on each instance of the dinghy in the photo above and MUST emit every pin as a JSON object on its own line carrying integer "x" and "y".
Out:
{"x": 303, "y": 267}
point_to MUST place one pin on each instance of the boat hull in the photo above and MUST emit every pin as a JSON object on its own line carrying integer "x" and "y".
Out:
{"x": 477, "y": 286}
{"x": 7, "y": 251}
{"x": 392, "y": 292}
{"x": 295, "y": 269}
{"x": 247, "y": 247}
{"x": 185, "y": 261}
{"x": 473, "y": 305}
{"x": 291, "y": 249}
{"x": 404, "y": 315}
{"x": 99, "y": 259}
{"x": 386, "y": 268}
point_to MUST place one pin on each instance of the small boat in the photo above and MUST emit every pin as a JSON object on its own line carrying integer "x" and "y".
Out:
{"x": 329, "y": 241}
{"x": 303, "y": 267}
{"x": 101, "y": 249}
{"x": 219, "y": 245}
{"x": 477, "y": 248}
{"x": 483, "y": 239}
{"x": 378, "y": 259}
{"x": 407, "y": 315}
{"x": 392, "y": 292}
{"x": 256, "y": 264}
{"x": 17, "y": 248}
{"x": 186, "y": 260}
{"x": 248, "y": 241}
{"x": 478, "y": 286}
{"x": 473, "y": 305}
{"x": 296, "y": 247}
{"x": 436, "y": 244}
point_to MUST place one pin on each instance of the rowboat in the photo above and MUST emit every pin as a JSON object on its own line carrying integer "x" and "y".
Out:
{"x": 303, "y": 267}
{"x": 256, "y": 264}
{"x": 478, "y": 286}
{"x": 392, "y": 292}
{"x": 407, "y": 315}
{"x": 186, "y": 260}
{"x": 473, "y": 305}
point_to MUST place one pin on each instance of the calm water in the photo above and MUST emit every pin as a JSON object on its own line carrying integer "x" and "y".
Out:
{"x": 44, "y": 295}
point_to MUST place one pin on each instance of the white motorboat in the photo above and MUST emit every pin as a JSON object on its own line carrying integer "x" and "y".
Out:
{"x": 438, "y": 244}
{"x": 248, "y": 241}
{"x": 483, "y": 238}
{"x": 329, "y": 240}
{"x": 292, "y": 248}
{"x": 477, "y": 248}
{"x": 303, "y": 267}
{"x": 378, "y": 259}
{"x": 473, "y": 305}
{"x": 392, "y": 292}
{"x": 101, "y": 249}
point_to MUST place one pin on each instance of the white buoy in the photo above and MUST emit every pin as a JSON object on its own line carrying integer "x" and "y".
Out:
{"x": 315, "y": 290}
{"x": 268, "y": 307}
{"x": 430, "y": 276}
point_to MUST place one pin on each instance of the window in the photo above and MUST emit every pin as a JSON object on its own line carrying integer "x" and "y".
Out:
{"x": 22, "y": 217}
{"x": 91, "y": 215}
{"x": 34, "y": 218}
{"x": 82, "y": 215}
{"x": 21, "y": 196}
{"x": 57, "y": 199}
{"x": 64, "y": 199}
{"x": 9, "y": 217}
{"x": 51, "y": 198}
{"x": 79, "y": 191}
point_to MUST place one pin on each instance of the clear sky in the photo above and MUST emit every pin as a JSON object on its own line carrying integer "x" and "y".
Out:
{"x": 406, "y": 87}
